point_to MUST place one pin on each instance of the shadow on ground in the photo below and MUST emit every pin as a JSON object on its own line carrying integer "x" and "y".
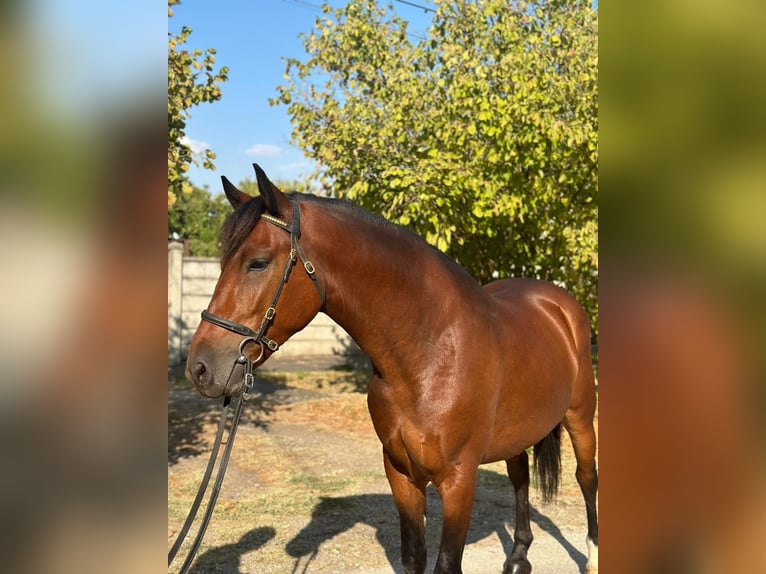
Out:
{"x": 493, "y": 515}
{"x": 192, "y": 418}
{"x": 226, "y": 558}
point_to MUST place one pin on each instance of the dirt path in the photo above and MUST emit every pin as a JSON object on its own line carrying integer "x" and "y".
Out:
{"x": 306, "y": 492}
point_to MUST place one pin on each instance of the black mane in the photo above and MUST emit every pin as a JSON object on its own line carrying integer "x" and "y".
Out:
{"x": 346, "y": 206}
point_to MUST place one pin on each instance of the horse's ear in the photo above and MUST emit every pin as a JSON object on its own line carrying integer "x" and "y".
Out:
{"x": 235, "y": 197}
{"x": 274, "y": 199}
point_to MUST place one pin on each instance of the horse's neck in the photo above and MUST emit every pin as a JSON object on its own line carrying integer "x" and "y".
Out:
{"x": 389, "y": 291}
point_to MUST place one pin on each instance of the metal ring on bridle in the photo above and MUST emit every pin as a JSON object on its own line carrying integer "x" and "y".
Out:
{"x": 244, "y": 342}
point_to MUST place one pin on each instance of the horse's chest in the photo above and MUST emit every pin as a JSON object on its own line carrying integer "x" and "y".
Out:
{"x": 387, "y": 409}
{"x": 421, "y": 436}
{"x": 394, "y": 417}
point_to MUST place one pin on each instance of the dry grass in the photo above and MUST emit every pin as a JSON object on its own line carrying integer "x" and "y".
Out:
{"x": 306, "y": 483}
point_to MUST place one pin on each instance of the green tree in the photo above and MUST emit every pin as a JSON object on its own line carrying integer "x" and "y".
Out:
{"x": 482, "y": 138}
{"x": 198, "y": 217}
{"x": 250, "y": 186}
{"x": 192, "y": 80}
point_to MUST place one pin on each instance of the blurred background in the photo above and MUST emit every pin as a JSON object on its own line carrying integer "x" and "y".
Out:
{"x": 82, "y": 234}
{"x": 681, "y": 286}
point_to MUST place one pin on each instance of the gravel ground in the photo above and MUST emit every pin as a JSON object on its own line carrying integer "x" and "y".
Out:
{"x": 306, "y": 492}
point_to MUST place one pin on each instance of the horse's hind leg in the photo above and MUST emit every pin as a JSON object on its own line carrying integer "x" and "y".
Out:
{"x": 410, "y": 501}
{"x": 518, "y": 472}
{"x": 579, "y": 423}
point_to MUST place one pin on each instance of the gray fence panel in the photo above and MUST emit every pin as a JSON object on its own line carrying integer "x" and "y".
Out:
{"x": 191, "y": 281}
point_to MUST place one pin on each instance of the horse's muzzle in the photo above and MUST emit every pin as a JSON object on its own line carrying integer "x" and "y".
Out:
{"x": 206, "y": 371}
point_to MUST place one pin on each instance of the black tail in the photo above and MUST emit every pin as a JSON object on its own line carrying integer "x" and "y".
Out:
{"x": 547, "y": 464}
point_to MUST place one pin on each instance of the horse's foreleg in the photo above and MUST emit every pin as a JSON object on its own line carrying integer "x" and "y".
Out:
{"x": 518, "y": 472}
{"x": 410, "y": 500}
{"x": 457, "y": 493}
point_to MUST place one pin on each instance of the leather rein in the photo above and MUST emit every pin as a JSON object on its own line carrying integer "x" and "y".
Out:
{"x": 259, "y": 337}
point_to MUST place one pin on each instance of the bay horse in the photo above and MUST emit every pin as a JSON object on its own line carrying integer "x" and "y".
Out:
{"x": 462, "y": 374}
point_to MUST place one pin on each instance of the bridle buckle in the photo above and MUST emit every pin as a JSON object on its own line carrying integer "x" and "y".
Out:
{"x": 246, "y": 391}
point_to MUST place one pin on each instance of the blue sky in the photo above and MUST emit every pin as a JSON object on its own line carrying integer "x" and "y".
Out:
{"x": 90, "y": 57}
{"x": 252, "y": 38}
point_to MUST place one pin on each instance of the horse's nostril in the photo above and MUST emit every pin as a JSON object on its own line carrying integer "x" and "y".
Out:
{"x": 200, "y": 373}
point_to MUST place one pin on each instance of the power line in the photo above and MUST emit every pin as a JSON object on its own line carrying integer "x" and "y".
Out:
{"x": 426, "y": 8}
{"x": 303, "y": 4}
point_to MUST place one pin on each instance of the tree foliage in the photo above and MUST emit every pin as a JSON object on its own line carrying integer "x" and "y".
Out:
{"x": 250, "y": 186}
{"x": 198, "y": 217}
{"x": 192, "y": 80}
{"x": 482, "y": 137}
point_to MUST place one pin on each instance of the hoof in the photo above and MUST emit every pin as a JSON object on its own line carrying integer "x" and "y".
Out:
{"x": 591, "y": 567}
{"x": 518, "y": 567}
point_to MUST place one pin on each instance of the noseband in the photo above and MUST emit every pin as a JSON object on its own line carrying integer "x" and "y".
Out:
{"x": 259, "y": 336}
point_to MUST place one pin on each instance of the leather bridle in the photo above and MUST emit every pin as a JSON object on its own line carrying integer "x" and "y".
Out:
{"x": 259, "y": 337}
{"x": 296, "y": 251}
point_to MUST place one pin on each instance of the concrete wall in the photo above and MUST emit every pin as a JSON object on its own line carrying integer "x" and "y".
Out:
{"x": 191, "y": 281}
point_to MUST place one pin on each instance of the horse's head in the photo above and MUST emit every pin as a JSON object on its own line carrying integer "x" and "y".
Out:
{"x": 258, "y": 302}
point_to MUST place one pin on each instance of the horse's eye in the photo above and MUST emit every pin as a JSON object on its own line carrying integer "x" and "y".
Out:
{"x": 257, "y": 265}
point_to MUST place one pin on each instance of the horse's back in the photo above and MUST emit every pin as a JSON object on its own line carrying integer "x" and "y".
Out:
{"x": 507, "y": 289}
{"x": 525, "y": 300}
